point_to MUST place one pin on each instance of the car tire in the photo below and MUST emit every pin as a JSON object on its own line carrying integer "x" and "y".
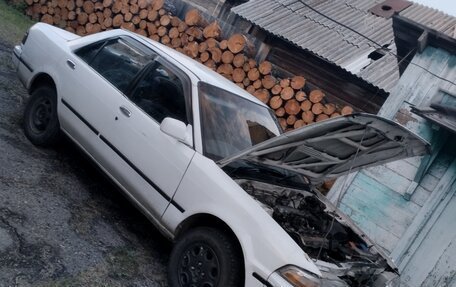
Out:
{"x": 41, "y": 124}
{"x": 205, "y": 257}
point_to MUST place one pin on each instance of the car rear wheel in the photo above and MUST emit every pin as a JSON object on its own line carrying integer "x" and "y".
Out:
{"x": 41, "y": 124}
{"x": 205, "y": 257}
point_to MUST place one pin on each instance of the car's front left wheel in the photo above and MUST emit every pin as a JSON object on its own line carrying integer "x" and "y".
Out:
{"x": 41, "y": 124}
{"x": 205, "y": 257}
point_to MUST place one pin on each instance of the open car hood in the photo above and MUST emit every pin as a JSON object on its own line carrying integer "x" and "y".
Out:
{"x": 333, "y": 147}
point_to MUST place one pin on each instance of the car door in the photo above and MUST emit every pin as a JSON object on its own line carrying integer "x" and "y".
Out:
{"x": 149, "y": 163}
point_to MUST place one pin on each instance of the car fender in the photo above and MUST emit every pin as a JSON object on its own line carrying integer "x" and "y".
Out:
{"x": 207, "y": 189}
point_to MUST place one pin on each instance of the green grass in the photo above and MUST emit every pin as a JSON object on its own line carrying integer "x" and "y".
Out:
{"x": 13, "y": 24}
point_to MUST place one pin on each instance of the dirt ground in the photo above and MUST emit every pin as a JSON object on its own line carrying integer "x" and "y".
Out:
{"x": 61, "y": 222}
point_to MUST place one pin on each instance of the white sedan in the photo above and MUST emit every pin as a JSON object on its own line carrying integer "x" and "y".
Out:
{"x": 207, "y": 163}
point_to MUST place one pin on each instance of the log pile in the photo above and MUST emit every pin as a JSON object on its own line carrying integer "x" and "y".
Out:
{"x": 294, "y": 103}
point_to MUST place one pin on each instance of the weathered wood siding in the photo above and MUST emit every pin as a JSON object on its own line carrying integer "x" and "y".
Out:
{"x": 378, "y": 198}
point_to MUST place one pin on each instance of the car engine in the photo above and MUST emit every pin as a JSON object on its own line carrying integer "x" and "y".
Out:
{"x": 321, "y": 232}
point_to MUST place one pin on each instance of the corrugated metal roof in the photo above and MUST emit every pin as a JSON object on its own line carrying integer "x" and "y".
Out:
{"x": 295, "y": 22}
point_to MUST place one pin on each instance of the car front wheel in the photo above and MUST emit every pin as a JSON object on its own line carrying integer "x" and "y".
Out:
{"x": 41, "y": 124}
{"x": 205, "y": 257}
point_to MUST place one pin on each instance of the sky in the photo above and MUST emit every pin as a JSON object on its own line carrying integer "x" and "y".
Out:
{"x": 447, "y": 6}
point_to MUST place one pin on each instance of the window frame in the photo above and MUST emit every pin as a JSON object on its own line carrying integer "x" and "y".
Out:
{"x": 161, "y": 57}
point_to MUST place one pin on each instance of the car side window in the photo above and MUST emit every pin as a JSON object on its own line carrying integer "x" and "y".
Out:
{"x": 116, "y": 60}
{"x": 159, "y": 93}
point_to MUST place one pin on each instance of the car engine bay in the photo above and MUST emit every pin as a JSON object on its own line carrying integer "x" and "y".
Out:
{"x": 341, "y": 253}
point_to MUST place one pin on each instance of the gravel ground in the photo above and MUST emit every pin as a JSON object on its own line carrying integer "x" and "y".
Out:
{"x": 61, "y": 222}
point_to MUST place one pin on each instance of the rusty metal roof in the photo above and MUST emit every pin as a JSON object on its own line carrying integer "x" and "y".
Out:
{"x": 295, "y": 22}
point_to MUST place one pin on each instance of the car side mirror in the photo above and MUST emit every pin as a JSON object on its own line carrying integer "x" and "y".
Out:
{"x": 178, "y": 130}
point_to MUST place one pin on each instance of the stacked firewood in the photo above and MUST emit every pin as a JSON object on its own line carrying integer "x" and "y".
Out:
{"x": 200, "y": 40}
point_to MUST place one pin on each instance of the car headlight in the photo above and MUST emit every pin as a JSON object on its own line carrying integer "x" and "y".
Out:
{"x": 297, "y": 277}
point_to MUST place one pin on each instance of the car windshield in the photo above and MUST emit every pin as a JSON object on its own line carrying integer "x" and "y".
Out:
{"x": 231, "y": 123}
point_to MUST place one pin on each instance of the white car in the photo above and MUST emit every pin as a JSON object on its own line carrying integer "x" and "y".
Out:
{"x": 207, "y": 163}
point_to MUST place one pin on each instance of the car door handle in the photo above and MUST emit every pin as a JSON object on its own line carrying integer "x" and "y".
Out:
{"x": 125, "y": 111}
{"x": 71, "y": 64}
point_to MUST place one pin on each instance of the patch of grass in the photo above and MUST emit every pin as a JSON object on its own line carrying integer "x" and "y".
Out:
{"x": 13, "y": 24}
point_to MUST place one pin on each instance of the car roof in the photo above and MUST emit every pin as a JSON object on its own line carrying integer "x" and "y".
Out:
{"x": 202, "y": 72}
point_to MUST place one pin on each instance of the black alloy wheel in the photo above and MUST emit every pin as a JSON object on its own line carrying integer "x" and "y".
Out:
{"x": 41, "y": 124}
{"x": 205, "y": 257}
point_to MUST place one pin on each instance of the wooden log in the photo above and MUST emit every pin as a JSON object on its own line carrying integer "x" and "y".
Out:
{"x": 321, "y": 117}
{"x": 116, "y": 7}
{"x": 173, "y": 33}
{"x": 346, "y": 110}
{"x": 142, "y": 4}
{"x": 191, "y": 49}
{"x": 246, "y": 67}
{"x": 262, "y": 95}
{"x": 316, "y": 96}
{"x": 306, "y": 105}
{"x": 227, "y": 57}
{"x": 268, "y": 81}
{"x": 135, "y": 20}
{"x": 204, "y": 56}
{"x": 202, "y": 47}
{"x": 291, "y": 119}
{"x": 78, "y": 3}
{"x": 194, "y": 18}
{"x": 143, "y": 26}
{"x": 297, "y": 82}
{"x": 225, "y": 69}
{"x": 292, "y": 107}
{"x": 152, "y": 15}
{"x": 287, "y": 93}
{"x": 151, "y": 29}
{"x": 61, "y": 3}
{"x": 252, "y": 63}
{"x": 157, "y": 4}
{"x": 184, "y": 40}
{"x": 100, "y": 17}
{"x": 165, "y": 40}
{"x": 106, "y": 3}
{"x": 176, "y": 42}
{"x": 210, "y": 64}
{"x": 250, "y": 89}
{"x": 276, "y": 90}
{"x": 246, "y": 80}
{"x": 300, "y": 96}
{"x": 88, "y": 7}
{"x": 155, "y": 37}
{"x": 223, "y": 45}
{"x": 253, "y": 74}
{"x": 240, "y": 85}
{"x": 162, "y": 31}
{"x": 216, "y": 54}
{"x": 128, "y": 26}
{"x": 107, "y": 12}
{"x": 72, "y": 15}
{"x": 73, "y": 24}
{"x": 308, "y": 117}
{"x": 92, "y": 19}
{"x": 161, "y": 12}
{"x": 239, "y": 75}
{"x": 299, "y": 123}
{"x": 285, "y": 83}
{"x": 334, "y": 115}
{"x": 182, "y": 27}
{"x": 132, "y": 8}
{"x": 265, "y": 68}
{"x": 80, "y": 30}
{"x": 128, "y": 16}
{"x": 175, "y": 21}
{"x": 317, "y": 108}
{"x": 280, "y": 112}
{"x": 211, "y": 43}
{"x": 165, "y": 20}
{"x": 107, "y": 23}
{"x": 238, "y": 60}
{"x": 71, "y": 5}
{"x": 236, "y": 43}
{"x": 44, "y": 9}
{"x": 82, "y": 19}
{"x": 329, "y": 109}
{"x": 143, "y": 13}
{"x": 257, "y": 84}
{"x": 195, "y": 32}
{"x": 212, "y": 30}
{"x": 275, "y": 102}
{"x": 48, "y": 19}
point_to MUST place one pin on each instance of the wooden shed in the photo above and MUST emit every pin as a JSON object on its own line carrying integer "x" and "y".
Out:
{"x": 408, "y": 207}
